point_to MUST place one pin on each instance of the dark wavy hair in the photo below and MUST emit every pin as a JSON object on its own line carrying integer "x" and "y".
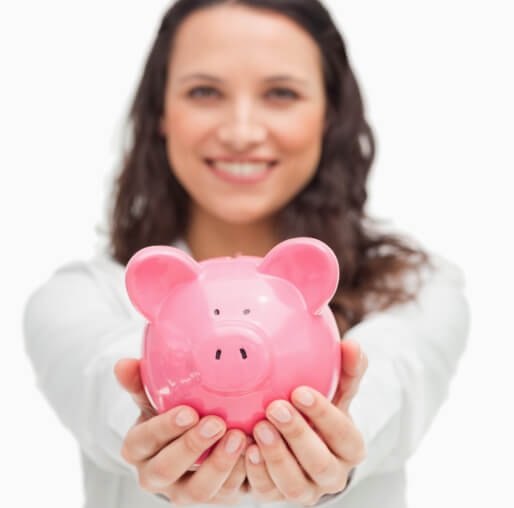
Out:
{"x": 150, "y": 206}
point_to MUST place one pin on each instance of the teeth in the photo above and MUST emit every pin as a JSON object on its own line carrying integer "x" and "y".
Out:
{"x": 246, "y": 168}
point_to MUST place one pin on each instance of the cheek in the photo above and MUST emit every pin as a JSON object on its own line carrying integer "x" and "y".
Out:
{"x": 302, "y": 134}
{"x": 183, "y": 124}
{"x": 185, "y": 131}
{"x": 301, "y": 145}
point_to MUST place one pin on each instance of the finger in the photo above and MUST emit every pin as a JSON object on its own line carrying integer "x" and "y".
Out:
{"x": 263, "y": 488}
{"x": 354, "y": 363}
{"x": 172, "y": 461}
{"x": 334, "y": 426}
{"x": 145, "y": 439}
{"x": 129, "y": 377}
{"x": 233, "y": 487}
{"x": 322, "y": 466}
{"x": 348, "y": 395}
{"x": 350, "y": 361}
{"x": 214, "y": 471}
{"x": 282, "y": 466}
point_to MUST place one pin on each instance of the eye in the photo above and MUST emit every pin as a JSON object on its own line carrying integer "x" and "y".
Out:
{"x": 288, "y": 93}
{"x": 216, "y": 311}
{"x": 203, "y": 88}
{"x": 246, "y": 311}
{"x": 285, "y": 93}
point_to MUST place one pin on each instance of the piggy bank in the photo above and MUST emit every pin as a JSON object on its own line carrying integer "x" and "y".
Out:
{"x": 229, "y": 335}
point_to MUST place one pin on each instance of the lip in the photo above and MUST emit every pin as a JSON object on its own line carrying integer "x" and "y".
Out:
{"x": 241, "y": 178}
{"x": 240, "y": 159}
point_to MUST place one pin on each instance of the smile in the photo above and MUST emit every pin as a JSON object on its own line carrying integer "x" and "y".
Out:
{"x": 241, "y": 172}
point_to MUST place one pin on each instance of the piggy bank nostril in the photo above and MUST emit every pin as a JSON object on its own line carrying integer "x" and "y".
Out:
{"x": 243, "y": 353}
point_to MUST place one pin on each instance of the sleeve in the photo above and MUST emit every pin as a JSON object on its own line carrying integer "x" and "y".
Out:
{"x": 413, "y": 351}
{"x": 73, "y": 336}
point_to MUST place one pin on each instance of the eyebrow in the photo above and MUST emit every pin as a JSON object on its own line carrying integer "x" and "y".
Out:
{"x": 270, "y": 79}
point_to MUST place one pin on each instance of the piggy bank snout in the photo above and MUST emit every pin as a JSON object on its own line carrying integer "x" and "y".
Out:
{"x": 234, "y": 358}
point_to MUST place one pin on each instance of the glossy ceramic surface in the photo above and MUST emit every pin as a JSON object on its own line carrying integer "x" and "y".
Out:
{"x": 229, "y": 335}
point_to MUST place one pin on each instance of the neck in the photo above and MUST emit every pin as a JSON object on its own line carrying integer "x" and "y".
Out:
{"x": 209, "y": 237}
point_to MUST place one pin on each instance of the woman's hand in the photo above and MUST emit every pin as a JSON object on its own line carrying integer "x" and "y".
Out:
{"x": 302, "y": 463}
{"x": 163, "y": 449}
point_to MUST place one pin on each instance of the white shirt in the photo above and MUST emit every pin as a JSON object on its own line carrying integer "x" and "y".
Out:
{"x": 80, "y": 322}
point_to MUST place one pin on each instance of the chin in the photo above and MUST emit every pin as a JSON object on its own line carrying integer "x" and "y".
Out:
{"x": 242, "y": 219}
{"x": 237, "y": 209}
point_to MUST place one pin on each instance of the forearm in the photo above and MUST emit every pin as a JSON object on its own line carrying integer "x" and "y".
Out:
{"x": 413, "y": 351}
{"x": 73, "y": 339}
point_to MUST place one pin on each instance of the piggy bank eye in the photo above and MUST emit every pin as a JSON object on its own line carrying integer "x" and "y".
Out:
{"x": 216, "y": 311}
{"x": 246, "y": 311}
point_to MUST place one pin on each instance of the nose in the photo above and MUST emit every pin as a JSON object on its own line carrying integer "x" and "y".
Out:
{"x": 235, "y": 358}
{"x": 242, "y": 128}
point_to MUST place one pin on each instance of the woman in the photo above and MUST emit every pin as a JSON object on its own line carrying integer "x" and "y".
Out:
{"x": 248, "y": 128}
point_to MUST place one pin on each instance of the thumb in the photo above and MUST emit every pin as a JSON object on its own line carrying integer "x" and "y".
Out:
{"x": 128, "y": 375}
{"x": 354, "y": 363}
{"x": 126, "y": 371}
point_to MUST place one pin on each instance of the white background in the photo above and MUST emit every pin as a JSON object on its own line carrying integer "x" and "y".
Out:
{"x": 437, "y": 81}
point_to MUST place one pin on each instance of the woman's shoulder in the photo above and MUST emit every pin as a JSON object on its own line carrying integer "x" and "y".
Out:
{"x": 106, "y": 273}
{"x": 98, "y": 274}
{"x": 439, "y": 287}
{"x": 442, "y": 270}
{"x": 440, "y": 281}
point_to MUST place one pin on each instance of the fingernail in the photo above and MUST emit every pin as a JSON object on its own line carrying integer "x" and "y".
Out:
{"x": 184, "y": 418}
{"x": 304, "y": 396}
{"x": 210, "y": 428}
{"x": 280, "y": 412}
{"x": 232, "y": 443}
{"x": 265, "y": 434}
{"x": 254, "y": 456}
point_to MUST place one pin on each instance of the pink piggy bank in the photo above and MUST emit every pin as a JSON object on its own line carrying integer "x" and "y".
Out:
{"x": 229, "y": 335}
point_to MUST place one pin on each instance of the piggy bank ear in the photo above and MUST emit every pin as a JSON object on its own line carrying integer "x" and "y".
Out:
{"x": 151, "y": 274}
{"x": 309, "y": 264}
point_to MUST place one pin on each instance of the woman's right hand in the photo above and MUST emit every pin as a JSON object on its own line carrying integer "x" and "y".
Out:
{"x": 163, "y": 450}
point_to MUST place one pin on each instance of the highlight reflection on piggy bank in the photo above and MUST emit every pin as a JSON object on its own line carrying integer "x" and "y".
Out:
{"x": 229, "y": 335}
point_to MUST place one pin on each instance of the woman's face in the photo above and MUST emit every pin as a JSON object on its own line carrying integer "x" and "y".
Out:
{"x": 241, "y": 108}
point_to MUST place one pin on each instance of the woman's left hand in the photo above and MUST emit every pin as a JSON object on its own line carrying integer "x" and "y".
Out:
{"x": 299, "y": 463}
